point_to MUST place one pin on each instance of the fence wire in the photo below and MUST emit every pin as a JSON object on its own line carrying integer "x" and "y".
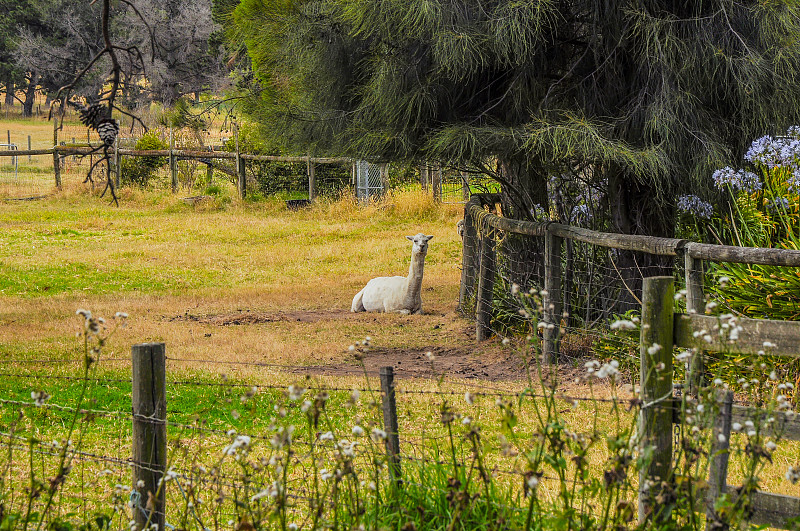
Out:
{"x": 25, "y": 176}
{"x": 209, "y": 417}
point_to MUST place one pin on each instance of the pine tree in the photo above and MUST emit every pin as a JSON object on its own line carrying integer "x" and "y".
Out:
{"x": 647, "y": 97}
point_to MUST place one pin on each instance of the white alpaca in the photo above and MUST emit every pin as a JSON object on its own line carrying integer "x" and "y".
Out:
{"x": 396, "y": 294}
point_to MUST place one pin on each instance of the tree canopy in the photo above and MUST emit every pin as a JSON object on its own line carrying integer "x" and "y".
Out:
{"x": 170, "y": 47}
{"x": 644, "y": 97}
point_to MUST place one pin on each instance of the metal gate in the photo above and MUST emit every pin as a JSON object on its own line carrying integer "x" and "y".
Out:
{"x": 370, "y": 181}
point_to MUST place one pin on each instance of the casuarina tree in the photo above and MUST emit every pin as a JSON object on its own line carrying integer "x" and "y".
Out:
{"x": 650, "y": 95}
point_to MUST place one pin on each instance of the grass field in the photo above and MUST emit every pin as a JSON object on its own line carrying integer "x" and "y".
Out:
{"x": 229, "y": 282}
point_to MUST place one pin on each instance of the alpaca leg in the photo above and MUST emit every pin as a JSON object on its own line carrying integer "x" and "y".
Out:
{"x": 358, "y": 304}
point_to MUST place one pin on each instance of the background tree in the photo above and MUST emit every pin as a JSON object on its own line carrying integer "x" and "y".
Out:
{"x": 17, "y": 16}
{"x": 65, "y": 37}
{"x": 180, "y": 42}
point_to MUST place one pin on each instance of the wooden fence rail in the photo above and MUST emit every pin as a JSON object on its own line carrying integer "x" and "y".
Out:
{"x": 175, "y": 155}
{"x": 660, "y": 325}
{"x": 482, "y": 225}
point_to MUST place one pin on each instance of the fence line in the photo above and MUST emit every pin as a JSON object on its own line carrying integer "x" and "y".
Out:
{"x": 155, "y": 463}
{"x": 456, "y": 189}
{"x": 484, "y": 230}
{"x": 662, "y": 327}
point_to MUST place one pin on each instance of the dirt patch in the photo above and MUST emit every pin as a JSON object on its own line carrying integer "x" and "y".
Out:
{"x": 248, "y": 317}
{"x": 456, "y": 356}
{"x": 454, "y": 362}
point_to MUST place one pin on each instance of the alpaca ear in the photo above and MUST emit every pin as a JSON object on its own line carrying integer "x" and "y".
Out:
{"x": 410, "y": 238}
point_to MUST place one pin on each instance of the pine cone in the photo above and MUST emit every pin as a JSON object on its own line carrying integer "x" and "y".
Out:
{"x": 108, "y": 129}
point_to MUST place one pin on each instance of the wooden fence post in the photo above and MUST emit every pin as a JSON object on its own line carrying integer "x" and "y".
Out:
{"x": 655, "y": 419}
{"x": 483, "y": 307}
{"x": 29, "y": 147}
{"x": 718, "y": 467}
{"x": 552, "y": 299}
{"x": 694, "y": 304}
{"x": 173, "y": 162}
{"x": 423, "y": 176}
{"x": 117, "y": 162}
{"x": 241, "y": 179}
{"x": 91, "y": 156}
{"x": 56, "y": 160}
{"x": 469, "y": 263}
{"x": 149, "y": 432}
{"x": 436, "y": 183}
{"x": 311, "y": 177}
{"x": 390, "y": 421}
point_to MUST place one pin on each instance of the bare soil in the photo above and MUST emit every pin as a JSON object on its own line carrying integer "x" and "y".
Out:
{"x": 460, "y": 358}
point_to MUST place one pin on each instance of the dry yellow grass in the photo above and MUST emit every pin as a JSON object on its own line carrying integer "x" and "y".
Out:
{"x": 166, "y": 262}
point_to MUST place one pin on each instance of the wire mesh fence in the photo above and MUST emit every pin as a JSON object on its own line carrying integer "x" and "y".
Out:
{"x": 26, "y": 176}
{"x": 578, "y": 282}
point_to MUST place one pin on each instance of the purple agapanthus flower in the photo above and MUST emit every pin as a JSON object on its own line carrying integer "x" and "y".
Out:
{"x": 691, "y": 204}
{"x": 580, "y": 214}
{"x": 776, "y": 152}
{"x": 736, "y": 179}
{"x": 794, "y": 182}
{"x": 779, "y": 203}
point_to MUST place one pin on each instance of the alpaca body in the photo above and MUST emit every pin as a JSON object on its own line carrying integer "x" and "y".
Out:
{"x": 396, "y": 294}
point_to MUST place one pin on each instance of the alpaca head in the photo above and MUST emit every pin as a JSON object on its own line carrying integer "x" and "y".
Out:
{"x": 420, "y": 243}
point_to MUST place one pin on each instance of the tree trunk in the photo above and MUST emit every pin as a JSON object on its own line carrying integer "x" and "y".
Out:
{"x": 524, "y": 196}
{"x": 524, "y": 188}
{"x": 635, "y": 209}
{"x": 30, "y": 95}
{"x": 9, "y": 93}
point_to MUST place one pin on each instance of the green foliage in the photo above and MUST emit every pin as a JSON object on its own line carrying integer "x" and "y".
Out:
{"x": 620, "y": 343}
{"x": 180, "y": 116}
{"x": 648, "y": 97}
{"x": 765, "y": 213}
{"x": 139, "y": 171}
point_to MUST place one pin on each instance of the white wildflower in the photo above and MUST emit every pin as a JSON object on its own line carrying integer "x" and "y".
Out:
{"x": 358, "y": 430}
{"x": 793, "y": 474}
{"x": 623, "y": 324}
{"x": 296, "y": 392}
{"x": 469, "y": 398}
{"x": 40, "y": 397}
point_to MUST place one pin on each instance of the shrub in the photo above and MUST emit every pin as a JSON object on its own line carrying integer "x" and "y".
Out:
{"x": 140, "y": 170}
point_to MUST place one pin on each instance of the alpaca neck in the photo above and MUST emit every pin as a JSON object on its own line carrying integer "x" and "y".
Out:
{"x": 415, "y": 272}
